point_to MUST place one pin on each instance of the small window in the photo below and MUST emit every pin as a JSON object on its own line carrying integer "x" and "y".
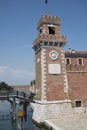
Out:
{"x": 80, "y": 61}
{"x": 78, "y": 103}
{"x": 61, "y": 44}
{"x": 41, "y": 30}
{"x": 56, "y": 44}
{"x": 51, "y": 30}
{"x": 45, "y": 43}
{"x": 67, "y": 61}
{"x": 50, "y": 43}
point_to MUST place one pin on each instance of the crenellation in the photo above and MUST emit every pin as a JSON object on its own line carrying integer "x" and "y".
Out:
{"x": 49, "y": 20}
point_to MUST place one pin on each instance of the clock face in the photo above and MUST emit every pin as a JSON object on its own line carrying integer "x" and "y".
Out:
{"x": 53, "y": 55}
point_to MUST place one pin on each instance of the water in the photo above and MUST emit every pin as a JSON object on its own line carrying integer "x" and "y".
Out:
{"x": 7, "y": 124}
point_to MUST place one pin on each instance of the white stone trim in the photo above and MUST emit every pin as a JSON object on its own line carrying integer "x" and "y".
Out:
{"x": 50, "y": 124}
{"x": 53, "y": 57}
{"x": 43, "y": 70}
{"x": 53, "y": 102}
{"x": 62, "y": 58}
{"x": 62, "y": 50}
{"x": 64, "y": 72}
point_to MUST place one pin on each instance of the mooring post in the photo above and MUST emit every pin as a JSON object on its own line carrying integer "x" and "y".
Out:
{"x": 25, "y": 105}
{"x": 13, "y": 109}
{"x": 20, "y": 120}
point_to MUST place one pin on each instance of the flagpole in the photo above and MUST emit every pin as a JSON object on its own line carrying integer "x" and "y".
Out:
{"x": 46, "y": 2}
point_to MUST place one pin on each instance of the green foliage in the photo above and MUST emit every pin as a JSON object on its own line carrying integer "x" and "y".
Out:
{"x": 5, "y": 87}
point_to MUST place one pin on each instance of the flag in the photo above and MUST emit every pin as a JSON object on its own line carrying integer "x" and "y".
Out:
{"x": 46, "y": 1}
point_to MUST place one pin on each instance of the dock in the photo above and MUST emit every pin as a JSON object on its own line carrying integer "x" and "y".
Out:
{"x": 72, "y": 122}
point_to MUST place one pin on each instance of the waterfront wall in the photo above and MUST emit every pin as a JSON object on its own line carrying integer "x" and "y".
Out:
{"x": 54, "y": 109}
{"x": 50, "y": 110}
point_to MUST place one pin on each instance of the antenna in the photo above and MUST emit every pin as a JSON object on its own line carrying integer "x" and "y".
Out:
{"x": 46, "y": 2}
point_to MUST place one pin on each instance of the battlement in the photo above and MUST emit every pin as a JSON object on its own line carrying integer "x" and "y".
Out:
{"x": 54, "y": 20}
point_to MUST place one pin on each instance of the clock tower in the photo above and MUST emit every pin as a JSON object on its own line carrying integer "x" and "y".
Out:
{"x": 51, "y": 76}
{"x": 51, "y": 79}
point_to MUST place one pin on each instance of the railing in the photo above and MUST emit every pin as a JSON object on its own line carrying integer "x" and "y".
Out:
{"x": 16, "y": 94}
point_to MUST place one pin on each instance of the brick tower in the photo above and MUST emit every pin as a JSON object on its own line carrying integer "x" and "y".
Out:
{"x": 51, "y": 77}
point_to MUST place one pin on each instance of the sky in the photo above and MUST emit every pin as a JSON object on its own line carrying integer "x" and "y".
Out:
{"x": 18, "y": 30}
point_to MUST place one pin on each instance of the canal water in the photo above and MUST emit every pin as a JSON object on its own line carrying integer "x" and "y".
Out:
{"x": 7, "y": 124}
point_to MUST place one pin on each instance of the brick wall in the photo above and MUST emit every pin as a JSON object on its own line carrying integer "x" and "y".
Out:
{"x": 77, "y": 80}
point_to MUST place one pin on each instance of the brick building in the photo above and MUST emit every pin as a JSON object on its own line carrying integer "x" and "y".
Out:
{"x": 25, "y": 88}
{"x": 76, "y": 66}
{"x": 60, "y": 76}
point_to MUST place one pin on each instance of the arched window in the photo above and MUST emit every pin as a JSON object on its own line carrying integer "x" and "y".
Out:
{"x": 68, "y": 61}
{"x": 80, "y": 61}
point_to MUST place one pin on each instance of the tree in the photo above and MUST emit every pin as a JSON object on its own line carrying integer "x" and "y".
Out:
{"x": 5, "y": 87}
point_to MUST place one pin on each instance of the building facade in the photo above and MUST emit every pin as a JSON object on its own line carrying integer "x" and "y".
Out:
{"x": 60, "y": 77}
{"x": 76, "y": 67}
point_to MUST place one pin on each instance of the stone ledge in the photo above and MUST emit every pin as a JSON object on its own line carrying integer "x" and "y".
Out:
{"x": 52, "y": 102}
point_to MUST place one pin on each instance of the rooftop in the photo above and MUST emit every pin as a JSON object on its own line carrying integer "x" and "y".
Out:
{"x": 75, "y": 54}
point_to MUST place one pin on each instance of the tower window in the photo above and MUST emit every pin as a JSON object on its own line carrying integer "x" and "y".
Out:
{"x": 41, "y": 30}
{"x": 56, "y": 44}
{"x": 45, "y": 43}
{"x": 68, "y": 61}
{"x": 61, "y": 44}
{"x": 80, "y": 61}
{"x": 51, "y": 30}
{"x": 50, "y": 43}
